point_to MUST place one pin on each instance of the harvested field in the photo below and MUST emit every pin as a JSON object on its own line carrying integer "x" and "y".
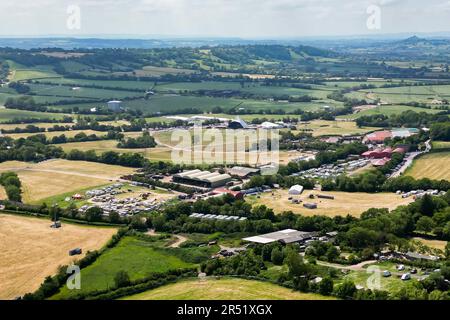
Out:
{"x": 435, "y": 244}
{"x": 331, "y": 128}
{"x": 49, "y": 135}
{"x": 224, "y": 289}
{"x": 433, "y": 166}
{"x": 344, "y": 202}
{"x": 30, "y": 250}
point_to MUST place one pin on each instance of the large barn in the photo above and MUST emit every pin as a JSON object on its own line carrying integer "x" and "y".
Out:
{"x": 204, "y": 179}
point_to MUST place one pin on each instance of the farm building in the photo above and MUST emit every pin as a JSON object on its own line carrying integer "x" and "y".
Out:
{"x": 284, "y": 236}
{"x": 237, "y": 124}
{"x": 203, "y": 179}
{"x": 222, "y": 191}
{"x": 242, "y": 172}
{"x": 377, "y": 137}
{"x": 296, "y": 190}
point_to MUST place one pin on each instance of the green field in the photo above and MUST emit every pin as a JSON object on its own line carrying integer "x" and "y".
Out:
{"x": 441, "y": 145}
{"x": 139, "y": 258}
{"x": 387, "y": 111}
{"x": 11, "y": 114}
{"x": 224, "y": 289}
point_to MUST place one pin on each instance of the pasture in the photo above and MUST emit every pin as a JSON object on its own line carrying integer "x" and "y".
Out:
{"x": 30, "y": 250}
{"x": 344, "y": 203}
{"x": 433, "y": 166}
{"x": 51, "y": 134}
{"x": 224, "y": 289}
{"x": 55, "y": 177}
{"x": 13, "y": 114}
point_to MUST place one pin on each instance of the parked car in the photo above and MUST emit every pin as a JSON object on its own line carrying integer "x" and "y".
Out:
{"x": 406, "y": 276}
{"x": 386, "y": 273}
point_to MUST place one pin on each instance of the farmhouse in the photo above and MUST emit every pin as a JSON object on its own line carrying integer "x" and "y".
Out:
{"x": 284, "y": 236}
{"x": 201, "y": 178}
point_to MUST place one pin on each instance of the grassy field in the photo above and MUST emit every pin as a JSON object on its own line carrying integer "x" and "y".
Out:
{"x": 49, "y": 135}
{"x": 224, "y": 289}
{"x": 366, "y": 278}
{"x": 30, "y": 250}
{"x": 432, "y": 166}
{"x": 388, "y": 111}
{"x": 138, "y": 258}
{"x": 44, "y": 125}
{"x": 441, "y": 144}
{"x": 331, "y": 128}
{"x": 343, "y": 204}
{"x": 51, "y": 178}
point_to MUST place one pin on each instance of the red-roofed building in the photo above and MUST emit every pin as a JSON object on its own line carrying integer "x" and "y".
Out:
{"x": 378, "y": 153}
{"x": 236, "y": 194}
{"x": 377, "y": 137}
{"x": 380, "y": 162}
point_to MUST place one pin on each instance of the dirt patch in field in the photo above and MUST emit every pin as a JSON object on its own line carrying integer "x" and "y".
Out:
{"x": 30, "y": 250}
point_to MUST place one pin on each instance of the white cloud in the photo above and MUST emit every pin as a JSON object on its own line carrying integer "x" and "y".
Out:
{"x": 245, "y": 18}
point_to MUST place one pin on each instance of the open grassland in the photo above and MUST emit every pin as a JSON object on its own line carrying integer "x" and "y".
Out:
{"x": 42, "y": 125}
{"x": 224, "y": 289}
{"x": 220, "y": 150}
{"x": 30, "y": 250}
{"x": 391, "y": 284}
{"x": 50, "y": 178}
{"x": 433, "y": 166}
{"x": 344, "y": 203}
{"x": 30, "y": 74}
{"x": 332, "y": 128}
{"x": 139, "y": 258}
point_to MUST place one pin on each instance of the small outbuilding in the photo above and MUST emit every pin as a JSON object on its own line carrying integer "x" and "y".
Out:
{"x": 296, "y": 190}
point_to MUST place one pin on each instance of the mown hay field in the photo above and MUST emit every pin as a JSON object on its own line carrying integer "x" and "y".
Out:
{"x": 433, "y": 166}
{"x": 30, "y": 250}
{"x": 224, "y": 289}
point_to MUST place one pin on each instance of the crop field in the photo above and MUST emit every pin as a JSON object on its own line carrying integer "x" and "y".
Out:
{"x": 424, "y": 94}
{"x": 138, "y": 258}
{"x": 42, "y": 125}
{"x": 344, "y": 203}
{"x": 332, "y": 128}
{"x": 50, "y": 178}
{"x": 435, "y": 244}
{"x": 30, "y": 250}
{"x": 432, "y": 166}
{"x": 106, "y": 84}
{"x": 65, "y": 92}
{"x": 51, "y": 134}
{"x": 13, "y": 114}
{"x": 224, "y": 289}
{"x": 30, "y": 74}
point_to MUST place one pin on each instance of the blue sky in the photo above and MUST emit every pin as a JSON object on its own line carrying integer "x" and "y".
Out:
{"x": 225, "y": 18}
